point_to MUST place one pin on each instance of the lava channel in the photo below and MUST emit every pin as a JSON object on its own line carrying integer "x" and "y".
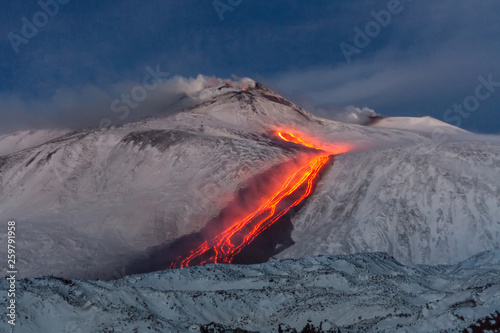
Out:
{"x": 226, "y": 245}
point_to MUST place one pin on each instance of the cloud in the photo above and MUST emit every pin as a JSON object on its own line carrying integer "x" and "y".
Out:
{"x": 426, "y": 60}
{"x": 94, "y": 106}
{"x": 417, "y": 85}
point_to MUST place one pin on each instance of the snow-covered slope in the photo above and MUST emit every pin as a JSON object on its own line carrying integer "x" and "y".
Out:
{"x": 94, "y": 200}
{"x": 423, "y": 203}
{"x": 90, "y": 202}
{"x": 356, "y": 293}
{"x": 419, "y": 125}
{"x": 11, "y": 143}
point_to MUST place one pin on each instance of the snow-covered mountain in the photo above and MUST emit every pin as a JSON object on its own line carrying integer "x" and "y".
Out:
{"x": 353, "y": 293}
{"x": 419, "y": 125}
{"x": 90, "y": 202}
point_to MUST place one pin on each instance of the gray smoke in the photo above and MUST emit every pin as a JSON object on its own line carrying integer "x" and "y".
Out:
{"x": 94, "y": 106}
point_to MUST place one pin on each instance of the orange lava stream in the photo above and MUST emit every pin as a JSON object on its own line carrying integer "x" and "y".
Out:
{"x": 225, "y": 246}
{"x": 290, "y": 137}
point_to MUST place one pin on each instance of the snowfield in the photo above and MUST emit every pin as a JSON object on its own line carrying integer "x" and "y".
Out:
{"x": 422, "y": 204}
{"x": 14, "y": 142}
{"x": 352, "y": 293}
{"x": 419, "y": 125}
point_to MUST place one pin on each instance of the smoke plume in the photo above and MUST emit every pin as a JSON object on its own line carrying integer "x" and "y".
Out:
{"x": 94, "y": 106}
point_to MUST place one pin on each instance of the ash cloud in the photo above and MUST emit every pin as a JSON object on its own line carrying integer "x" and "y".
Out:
{"x": 93, "y": 106}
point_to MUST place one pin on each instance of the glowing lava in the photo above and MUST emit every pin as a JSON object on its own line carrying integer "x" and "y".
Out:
{"x": 290, "y": 137}
{"x": 226, "y": 245}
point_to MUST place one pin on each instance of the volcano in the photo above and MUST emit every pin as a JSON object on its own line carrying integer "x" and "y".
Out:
{"x": 244, "y": 177}
{"x": 91, "y": 202}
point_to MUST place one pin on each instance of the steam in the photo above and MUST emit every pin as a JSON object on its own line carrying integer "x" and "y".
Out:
{"x": 193, "y": 87}
{"x": 94, "y": 106}
{"x": 346, "y": 114}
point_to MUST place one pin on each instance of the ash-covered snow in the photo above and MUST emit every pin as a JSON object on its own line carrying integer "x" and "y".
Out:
{"x": 352, "y": 293}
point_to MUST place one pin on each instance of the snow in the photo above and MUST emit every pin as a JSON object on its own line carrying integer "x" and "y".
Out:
{"x": 14, "y": 142}
{"x": 361, "y": 292}
{"x": 422, "y": 124}
{"x": 89, "y": 203}
{"x": 432, "y": 204}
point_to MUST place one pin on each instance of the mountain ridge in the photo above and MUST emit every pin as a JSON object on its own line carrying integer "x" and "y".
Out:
{"x": 368, "y": 292}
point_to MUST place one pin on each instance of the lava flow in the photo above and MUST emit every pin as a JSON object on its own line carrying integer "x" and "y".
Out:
{"x": 226, "y": 245}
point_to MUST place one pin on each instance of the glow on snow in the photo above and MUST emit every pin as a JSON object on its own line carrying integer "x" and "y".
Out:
{"x": 226, "y": 245}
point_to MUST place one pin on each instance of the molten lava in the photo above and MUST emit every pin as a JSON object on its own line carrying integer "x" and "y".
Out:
{"x": 290, "y": 137}
{"x": 226, "y": 245}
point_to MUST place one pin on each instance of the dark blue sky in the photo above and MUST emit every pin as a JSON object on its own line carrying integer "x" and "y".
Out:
{"x": 427, "y": 58}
